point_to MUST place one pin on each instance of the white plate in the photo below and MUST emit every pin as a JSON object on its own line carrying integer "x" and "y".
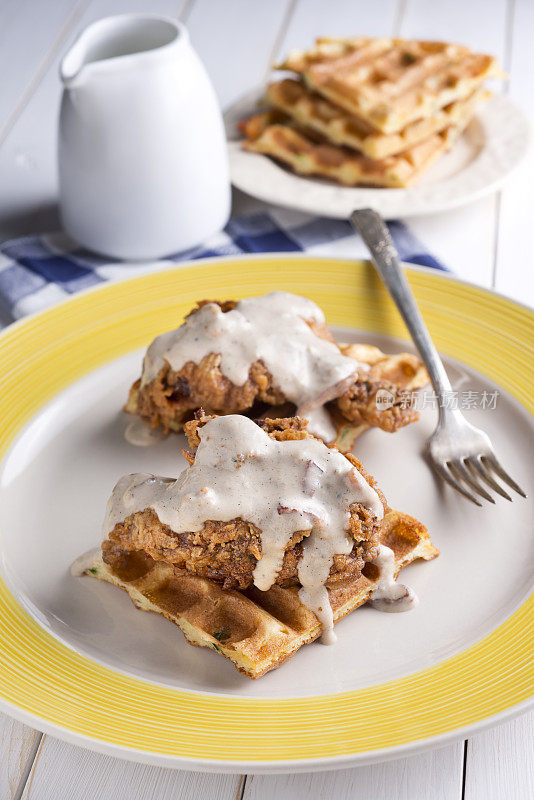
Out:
{"x": 492, "y": 146}
{"x": 62, "y": 467}
{"x": 170, "y": 704}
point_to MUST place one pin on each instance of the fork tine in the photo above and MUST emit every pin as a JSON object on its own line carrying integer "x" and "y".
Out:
{"x": 453, "y": 482}
{"x": 476, "y": 466}
{"x": 457, "y": 474}
{"x": 492, "y": 461}
{"x": 471, "y": 481}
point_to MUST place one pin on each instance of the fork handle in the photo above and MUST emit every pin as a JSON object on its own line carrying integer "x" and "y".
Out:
{"x": 375, "y": 234}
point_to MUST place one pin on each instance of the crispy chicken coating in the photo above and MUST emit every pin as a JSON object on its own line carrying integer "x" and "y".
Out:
{"x": 227, "y": 552}
{"x": 171, "y": 399}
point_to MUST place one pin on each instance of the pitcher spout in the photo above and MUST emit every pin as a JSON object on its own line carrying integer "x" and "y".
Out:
{"x": 113, "y": 39}
{"x": 72, "y": 64}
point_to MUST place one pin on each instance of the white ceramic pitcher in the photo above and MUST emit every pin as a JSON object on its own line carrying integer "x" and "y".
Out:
{"x": 143, "y": 169}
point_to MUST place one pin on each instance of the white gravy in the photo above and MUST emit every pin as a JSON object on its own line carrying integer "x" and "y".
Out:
{"x": 309, "y": 370}
{"x": 390, "y": 595}
{"x": 280, "y": 487}
{"x": 85, "y": 561}
{"x": 140, "y": 434}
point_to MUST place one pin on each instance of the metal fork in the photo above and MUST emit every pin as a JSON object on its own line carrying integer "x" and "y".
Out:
{"x": 462, "y": 454}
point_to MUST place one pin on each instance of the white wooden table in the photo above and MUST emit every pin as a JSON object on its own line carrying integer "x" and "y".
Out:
{"x": 486, "y": 243}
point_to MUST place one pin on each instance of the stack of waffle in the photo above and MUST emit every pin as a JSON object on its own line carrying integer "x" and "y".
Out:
{"x": 373, "y": 112}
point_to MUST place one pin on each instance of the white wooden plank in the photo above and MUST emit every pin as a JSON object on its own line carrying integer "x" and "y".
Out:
{"x": 313, "y": 18}
{"x": 235, "y": 41}
{"x": 28, "y": 155}
{"x": 16, "y": 745}
{"x": 514, "y": 266}
{"x": 71, "y": 773}
{"x": 500, "y": 762}
{"x": 479, "y": 24}
{"x": 28, "y": 33}
{"x": 436, "y": 775}
{"x": 463, "y": 239}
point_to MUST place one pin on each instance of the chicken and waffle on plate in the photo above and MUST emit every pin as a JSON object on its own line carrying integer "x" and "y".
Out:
{"x": 371, "y": 112}
{"x": 274, "y": 531}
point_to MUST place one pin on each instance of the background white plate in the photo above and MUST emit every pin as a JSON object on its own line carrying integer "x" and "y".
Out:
{"x": 492, "y": 146}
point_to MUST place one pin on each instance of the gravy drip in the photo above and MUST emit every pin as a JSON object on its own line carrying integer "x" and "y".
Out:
{"x": 84, "y": 562}
{"x": 309, "y": 370}
{"x": 140, "y": 434}
{"x": 390, "y": 595}
{"x": 280, "y": 487}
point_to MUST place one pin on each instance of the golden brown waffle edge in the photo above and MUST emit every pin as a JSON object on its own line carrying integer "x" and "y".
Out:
{"x": 297, "y": 150}
{"x": 257, "y": 631}
{"x": 391, "y": 82}
{"x": 311, "y": 111}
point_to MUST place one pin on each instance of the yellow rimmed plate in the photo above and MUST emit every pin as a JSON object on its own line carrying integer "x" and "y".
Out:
{"x": 77, "y": 660}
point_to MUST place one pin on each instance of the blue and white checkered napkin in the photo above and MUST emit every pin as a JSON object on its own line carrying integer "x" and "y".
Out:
{"x": 38, "y": 271}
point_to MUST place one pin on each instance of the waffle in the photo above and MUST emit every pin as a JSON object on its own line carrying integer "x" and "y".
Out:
{"x": 307, "y": 156}
{"x": 256, "y": 630}
{"x": 389, "y": 83}
{"x": 310, "y": 110}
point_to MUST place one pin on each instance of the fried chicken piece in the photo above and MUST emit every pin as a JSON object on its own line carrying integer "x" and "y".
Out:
{"x": 394, "y": 377}
{"x": 359, "y": 405}
{"x": 171, "y": 399}
{"x": 227, "y": 552}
